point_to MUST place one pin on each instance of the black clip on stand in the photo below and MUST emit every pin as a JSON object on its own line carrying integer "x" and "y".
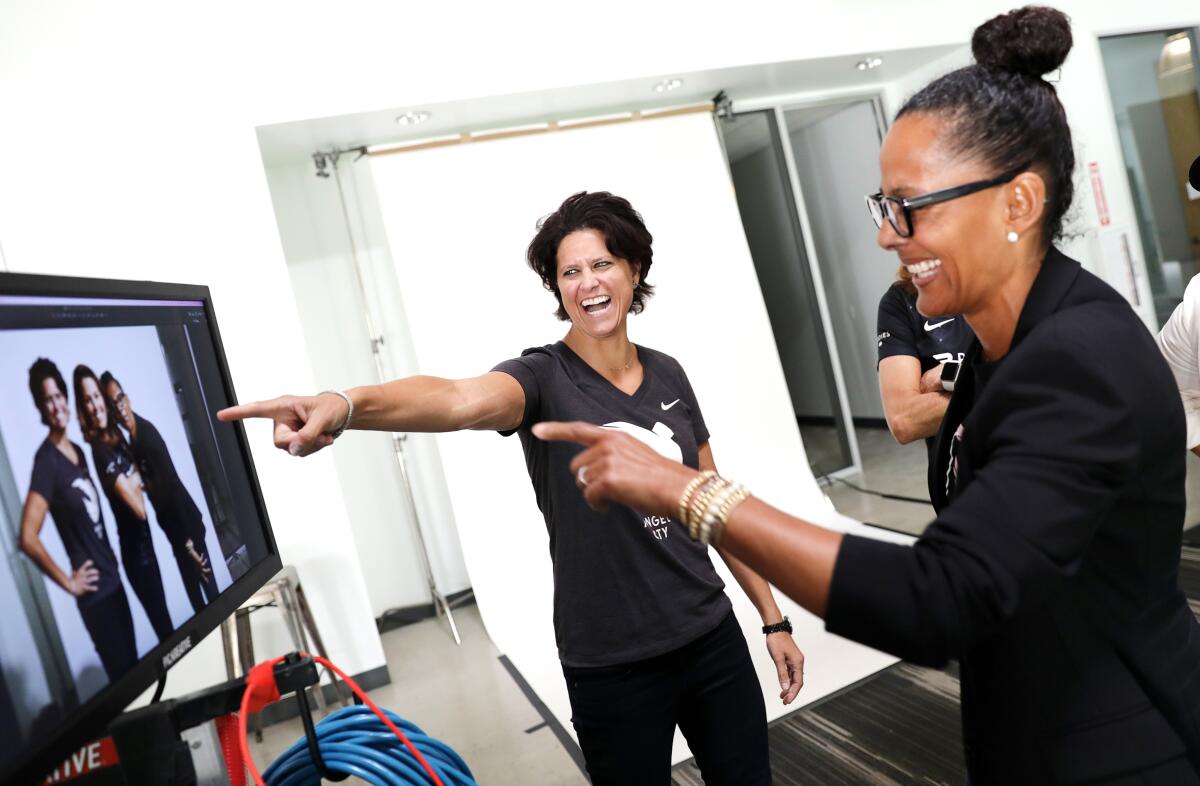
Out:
{"x": 297, "y": 672}
{"x": 150, "y": 745}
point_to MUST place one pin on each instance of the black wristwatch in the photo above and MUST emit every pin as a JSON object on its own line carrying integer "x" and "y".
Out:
{"x": 778, "y": 627}
{"x": 950, "y": 371}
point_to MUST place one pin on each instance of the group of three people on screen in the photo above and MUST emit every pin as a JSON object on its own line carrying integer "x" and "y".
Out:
{"x": 133, "y": 463}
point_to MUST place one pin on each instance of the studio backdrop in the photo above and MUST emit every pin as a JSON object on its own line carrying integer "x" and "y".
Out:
{"x": 459, "y": 219}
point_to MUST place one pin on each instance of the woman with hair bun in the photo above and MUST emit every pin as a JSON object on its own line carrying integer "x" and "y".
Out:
{"x": 1051, "y": 572}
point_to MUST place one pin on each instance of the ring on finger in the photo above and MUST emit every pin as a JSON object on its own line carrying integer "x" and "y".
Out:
{"x": 581, "y": 476}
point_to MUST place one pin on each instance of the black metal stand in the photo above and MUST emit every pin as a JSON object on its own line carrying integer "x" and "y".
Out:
{"x": 295, "y": 673}
{"x": 149, "y": 740}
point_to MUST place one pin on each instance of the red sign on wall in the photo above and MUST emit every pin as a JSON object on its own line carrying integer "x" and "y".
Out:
{"x": 1098, "y": 193}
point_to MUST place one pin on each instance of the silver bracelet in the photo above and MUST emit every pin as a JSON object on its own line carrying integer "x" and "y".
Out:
{"x": 349, "y": 412}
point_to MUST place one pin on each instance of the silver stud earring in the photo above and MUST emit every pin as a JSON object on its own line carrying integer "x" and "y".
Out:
{"x": 1013, "y": 237}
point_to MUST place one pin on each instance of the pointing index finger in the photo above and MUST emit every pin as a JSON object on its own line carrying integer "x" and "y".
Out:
{"x": 573, "y": 431}
{"x": 255, "y": 409}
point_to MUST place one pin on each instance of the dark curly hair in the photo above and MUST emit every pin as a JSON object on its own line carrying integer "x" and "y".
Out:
{"x": 86, "y": 424}
{"x": 1002, "y": 113}
{"x": 625, "y": 236}
{"x": 42, "y": 370}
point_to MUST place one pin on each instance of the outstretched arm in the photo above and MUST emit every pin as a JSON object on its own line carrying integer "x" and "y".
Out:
{"x": 305, "y": 424}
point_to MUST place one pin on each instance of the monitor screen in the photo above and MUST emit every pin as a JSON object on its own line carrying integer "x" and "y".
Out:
{"x": 131, "y": 522}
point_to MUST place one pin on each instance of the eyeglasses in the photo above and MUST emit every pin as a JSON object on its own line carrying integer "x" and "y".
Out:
{"x": 898, "y": 210}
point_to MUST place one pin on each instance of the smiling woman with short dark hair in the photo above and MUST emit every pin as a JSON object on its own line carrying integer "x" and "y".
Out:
{"x": 61, "y": 486}
{"x": 646, "y": 635}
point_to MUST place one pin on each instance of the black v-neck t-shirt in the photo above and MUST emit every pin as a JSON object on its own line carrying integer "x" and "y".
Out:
{"x": 627, "y": 585}
{"x": 901, "y": 330}
{"x": 75, "y": 507}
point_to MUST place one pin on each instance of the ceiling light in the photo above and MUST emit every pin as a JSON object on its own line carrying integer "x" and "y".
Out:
{"x": 413, "y": 118}
{"x": 869, "y": 63}
{"x": 668, "y": 85}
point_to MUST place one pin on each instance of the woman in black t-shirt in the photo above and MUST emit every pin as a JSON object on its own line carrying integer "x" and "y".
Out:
{"x": 645, "y": 632}
{"x": 177, "y": 513}
{"x": 913, "y": 350}
{"x": 122, "y": 484}
{"x": 61, "y": 485}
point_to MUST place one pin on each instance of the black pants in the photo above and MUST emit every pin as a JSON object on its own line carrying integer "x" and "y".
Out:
{"x": 141, "y": 568}
{"x": 201, "y": 588}
{"x": 625, "y": 715}
{"x": 111, "y": 627}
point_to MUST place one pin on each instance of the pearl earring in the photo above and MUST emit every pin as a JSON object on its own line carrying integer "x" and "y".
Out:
{"x": 1013, "y": 236}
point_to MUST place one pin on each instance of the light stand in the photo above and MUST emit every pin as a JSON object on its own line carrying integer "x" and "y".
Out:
{"x": 440, "y": 604}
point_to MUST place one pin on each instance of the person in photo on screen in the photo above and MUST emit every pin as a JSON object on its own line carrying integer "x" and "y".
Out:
{"x": 122, "y": 484}
{"x": 646, "y": 634}
{"x": 174, "y": 509}
{"x": 61, "y": 485}
{"x": 1052, "y": 571}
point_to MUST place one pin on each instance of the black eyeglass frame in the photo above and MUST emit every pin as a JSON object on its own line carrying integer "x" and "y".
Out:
{"x": 876, "y": 203}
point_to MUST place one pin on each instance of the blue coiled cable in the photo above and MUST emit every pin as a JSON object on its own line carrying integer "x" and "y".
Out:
{"x": 355, "y": 742}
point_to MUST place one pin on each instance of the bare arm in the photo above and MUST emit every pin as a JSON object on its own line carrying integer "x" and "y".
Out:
{"x": 751, "y": 583}
{"x": 788, "y": 659}
{"x": 911, "y": 414}
{"x": 492, "y": 402}
{"x": 305, "y": 424}
{"x": 129, "y": 489}
{"x": 33, "y": 516}
{"x": 772, "y": 540}
{"x": 795, "y": 556}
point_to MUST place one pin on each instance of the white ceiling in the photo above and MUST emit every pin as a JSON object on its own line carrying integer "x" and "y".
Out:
{"x": 295, "y": 142}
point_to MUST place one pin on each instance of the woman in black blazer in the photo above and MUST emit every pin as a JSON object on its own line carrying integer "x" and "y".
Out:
{"x": 1051, "y": 572}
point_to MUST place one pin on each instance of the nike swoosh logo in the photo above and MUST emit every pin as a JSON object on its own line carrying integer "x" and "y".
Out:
{"x": 668, "y": 406}
{"x": 929, "y": 327}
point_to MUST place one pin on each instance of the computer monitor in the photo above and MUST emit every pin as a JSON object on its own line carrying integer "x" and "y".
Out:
{"x": 131, "y": 520}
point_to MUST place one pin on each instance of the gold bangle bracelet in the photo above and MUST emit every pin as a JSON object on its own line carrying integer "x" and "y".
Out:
{"x": 739, "y": 495}
{"x": 684, "y": 498}
{"x": 700, "y": 504}
{"x": 708, "y": 518}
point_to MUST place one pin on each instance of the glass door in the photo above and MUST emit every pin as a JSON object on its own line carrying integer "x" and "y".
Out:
{"x": 1155, "y": 88}
{"x": 771, "y": 205}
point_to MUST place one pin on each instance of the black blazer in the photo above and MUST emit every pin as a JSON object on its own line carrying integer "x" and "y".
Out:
{"x": 1051, "y": 572}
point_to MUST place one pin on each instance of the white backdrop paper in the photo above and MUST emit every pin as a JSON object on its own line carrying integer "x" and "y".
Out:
{"x": 459, "y": 219}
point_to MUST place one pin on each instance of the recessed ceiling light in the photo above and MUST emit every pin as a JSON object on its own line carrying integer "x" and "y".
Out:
{"x": 668, "y": 85}
{"x": 869, "y": 63}
{"x": 413, "y": 118}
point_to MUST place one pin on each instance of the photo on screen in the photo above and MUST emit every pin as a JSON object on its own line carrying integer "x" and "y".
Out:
{"x": 125, "y": 508}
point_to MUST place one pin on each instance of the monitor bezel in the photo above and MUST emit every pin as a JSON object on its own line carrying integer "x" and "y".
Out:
{"x": 90, "y": 719}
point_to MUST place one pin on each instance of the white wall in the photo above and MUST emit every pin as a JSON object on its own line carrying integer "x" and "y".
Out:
{"x": 129, "y": 129}
{"x": 318, "y": 251}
